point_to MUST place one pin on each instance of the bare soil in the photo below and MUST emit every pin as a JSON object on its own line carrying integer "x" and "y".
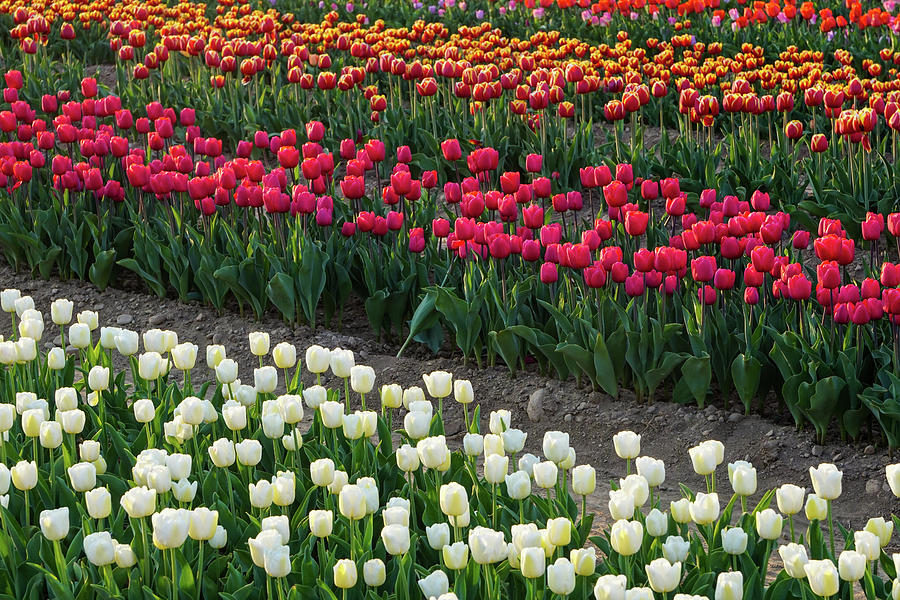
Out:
{"x": 780, "y": 453}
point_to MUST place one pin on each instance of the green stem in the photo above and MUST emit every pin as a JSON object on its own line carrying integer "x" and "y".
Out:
{"x": 174, "y": 577}
{"x": 831, "y": 528}
{"x": 61, "y": 565}
{"x": 200, "y": 570}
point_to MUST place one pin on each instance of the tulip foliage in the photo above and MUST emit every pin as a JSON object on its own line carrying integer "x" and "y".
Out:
{"x": 127, "y": 469}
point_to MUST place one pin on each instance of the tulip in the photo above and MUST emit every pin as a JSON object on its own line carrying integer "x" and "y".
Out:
{"x": 556, "y": 446}
{"x": 487, "y": 546}
{"x": 277, "y": 561}
{"x": 139, "y": 502}
{"x": 705, "y": 508}
{"x": 867, "y": 544}
{"x": 826, "y": 480}
{"x": 851, "y": 566}
{"x": 790, "y": 498}
{"x": 55, "y": 523}
{"x": 322, "y": 472}
{"x": 438, "y": 383}
{"x": 768, "y": 524}
{"x": 51, "y": 434}
{"x": 362, "y": 379}
{"x": 374, "y": 573}
{"x": 626, "y": 537}
{"x": 266, "y": 540}
{"x": 435, "y": 585}
{"x": 203, "y": 523}
{"x": 742, "y": 476}
{"x": 396, "y": 539}
{"x": 261, "y": 494}
{"x": 816, "y": 508}
{"x": 584, "y": 480}
{"x": 637, "y": 487}
{"x": 352, "y": 502}
{"x": 882, "y": 529}
{"x": 344, "y": 572}
{"x": 219, "y": 539}
{"x": 24, "y": 475}
{"x": 611, "y": 587}
{"x": 321, "y": 523}
{"x": 545, "y": 474}
{"x": 795, "y": 559}
{"x": 98, "y": 502}
{"x": 663, "y": 576}
{"x": 473, "y": 444}
{"x": 341, "y": 362}
{"x": 518, "y": 485}
{"x": 628, "y": 446}
{"x": 259, "y": 343}
{"x": 621, "y": 504}
{"x": 222, "y": 453}
{"x": 100, "y": 548}
{"x": 170, "y": 528}
{"x": 438, "y": 535}
{"x": 730, "y": 586}
{"x": 651, "y": 469}
{"x": 893, "y": 475}
{"x": 823, "y": 576}
{"x": 734, "y": 540}
{"x": 462, "y": 391}
{"x": 456, "y": 556}
{"x": 454, "y": 499}
{"x": 83, "y": 476}
{"x": 249, "y": 452}
{"x": 657, "y": 523}
{"x": 675, "y": 549}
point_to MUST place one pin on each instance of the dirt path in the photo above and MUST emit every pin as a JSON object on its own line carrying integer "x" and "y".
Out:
{"x": 780, "y": 454}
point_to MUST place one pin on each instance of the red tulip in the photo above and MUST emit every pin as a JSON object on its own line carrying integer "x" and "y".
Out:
{"x": 670, "y": 188}
{"x": 348, "y": 229}
{"x": 533, "y": 216}
{"x": 703, "y": 268}
{"x": 751, "y": 296}
{"x": 549, "y": 273}
{"x": 890, "y": 275}
{"x": 531, "y": 250}
{"x": 634, "y": 285}
{"x": 375, "y": 150}
{"x": 616, "y": 194}
{"x": 724, "y": 279}
{"x": 649, "y": 189}
{"x": 353, "y": 187}
{"x": 534, "y": 163}
{"x": 707, "y": 295}
{"x": 416, "y": 240}
{"x": 872, "y": 226}
{"x": 451, "y": 150}
{"x": 636, "y": 222}
{"x": 799, "y": 287}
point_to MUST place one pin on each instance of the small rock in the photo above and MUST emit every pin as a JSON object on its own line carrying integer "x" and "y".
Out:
{"x": 568, "y": 418}
{"x": 838, "y": 456}
{"x": 770, "y": 433}
{"x": 124, "y": 319}
{"x": 217, "y": 338}
{"x": 770, "y": 444}
{"x": 712, "y": 418}
{"x": 873, "y": 486}
{"x": 735, "y": 417}
{"x": 157, "y": 319}
{"x": 579, "y": 419}
{"x": 870, "y": 449}
{"x": 199, "y": 317}
{"x": 535, "y": 406}
{"x": 452, "y": 428}
{"x": 817, "y": 450}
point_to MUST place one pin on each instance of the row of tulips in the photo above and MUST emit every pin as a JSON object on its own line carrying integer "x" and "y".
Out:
{"x": 505, "y": 261}
{"x": 531, "y": 91}
{"x": 149, "y": 475}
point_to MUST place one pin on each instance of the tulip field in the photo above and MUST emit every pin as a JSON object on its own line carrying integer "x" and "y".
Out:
{"x": 133, "y": 466}
{"x": 691, "y": 201}
{"x": 695, "y": 202}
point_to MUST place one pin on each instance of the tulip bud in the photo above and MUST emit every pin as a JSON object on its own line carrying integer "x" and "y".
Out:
{"x": 794, "y": 558}
{"x": 374, "y": 573}
{"x": 627, "y": 444}
{"x": 341, "y": 361}
{"x": 705, "y": 508}
{"x": 734, "y": 540}
{"x": 249, "y": 452}
{"x": 56, "y": 359}
{"x": 285, "y": 355}
{"x": 259, "y": 343}
{"x": 51, "y": 434}
{"x": 321, "y": 523}
{"x": 98, "y": 502}
{"x": 789, "y": 498}
{"x": 83, "y": 476}
{"x": 663, "y": 576}
{"x": 611, "y": 587}
{"x": 55, "y": 523}
{"x": 816, "y": 508}
{"x": 438, "y": 384}
{"x": 203, "y": 523}
{"x": 222, "y": 453}
{"x": 435, "y": 585}
{"x": 344, "y": 572}
{"x": 100, "y": 548}
{"x": 561, "y": 577}
{"x": 826, "y": 480}
{"x": 851, "y": 566}
{"x": 675, "y": 549}
{"x": 730, "y": 586}
{"x": 545, "y": 474}
{"x": 139, "y": 502}
{"x": 456, "y": 556}
{"x": 823, "y": 577}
